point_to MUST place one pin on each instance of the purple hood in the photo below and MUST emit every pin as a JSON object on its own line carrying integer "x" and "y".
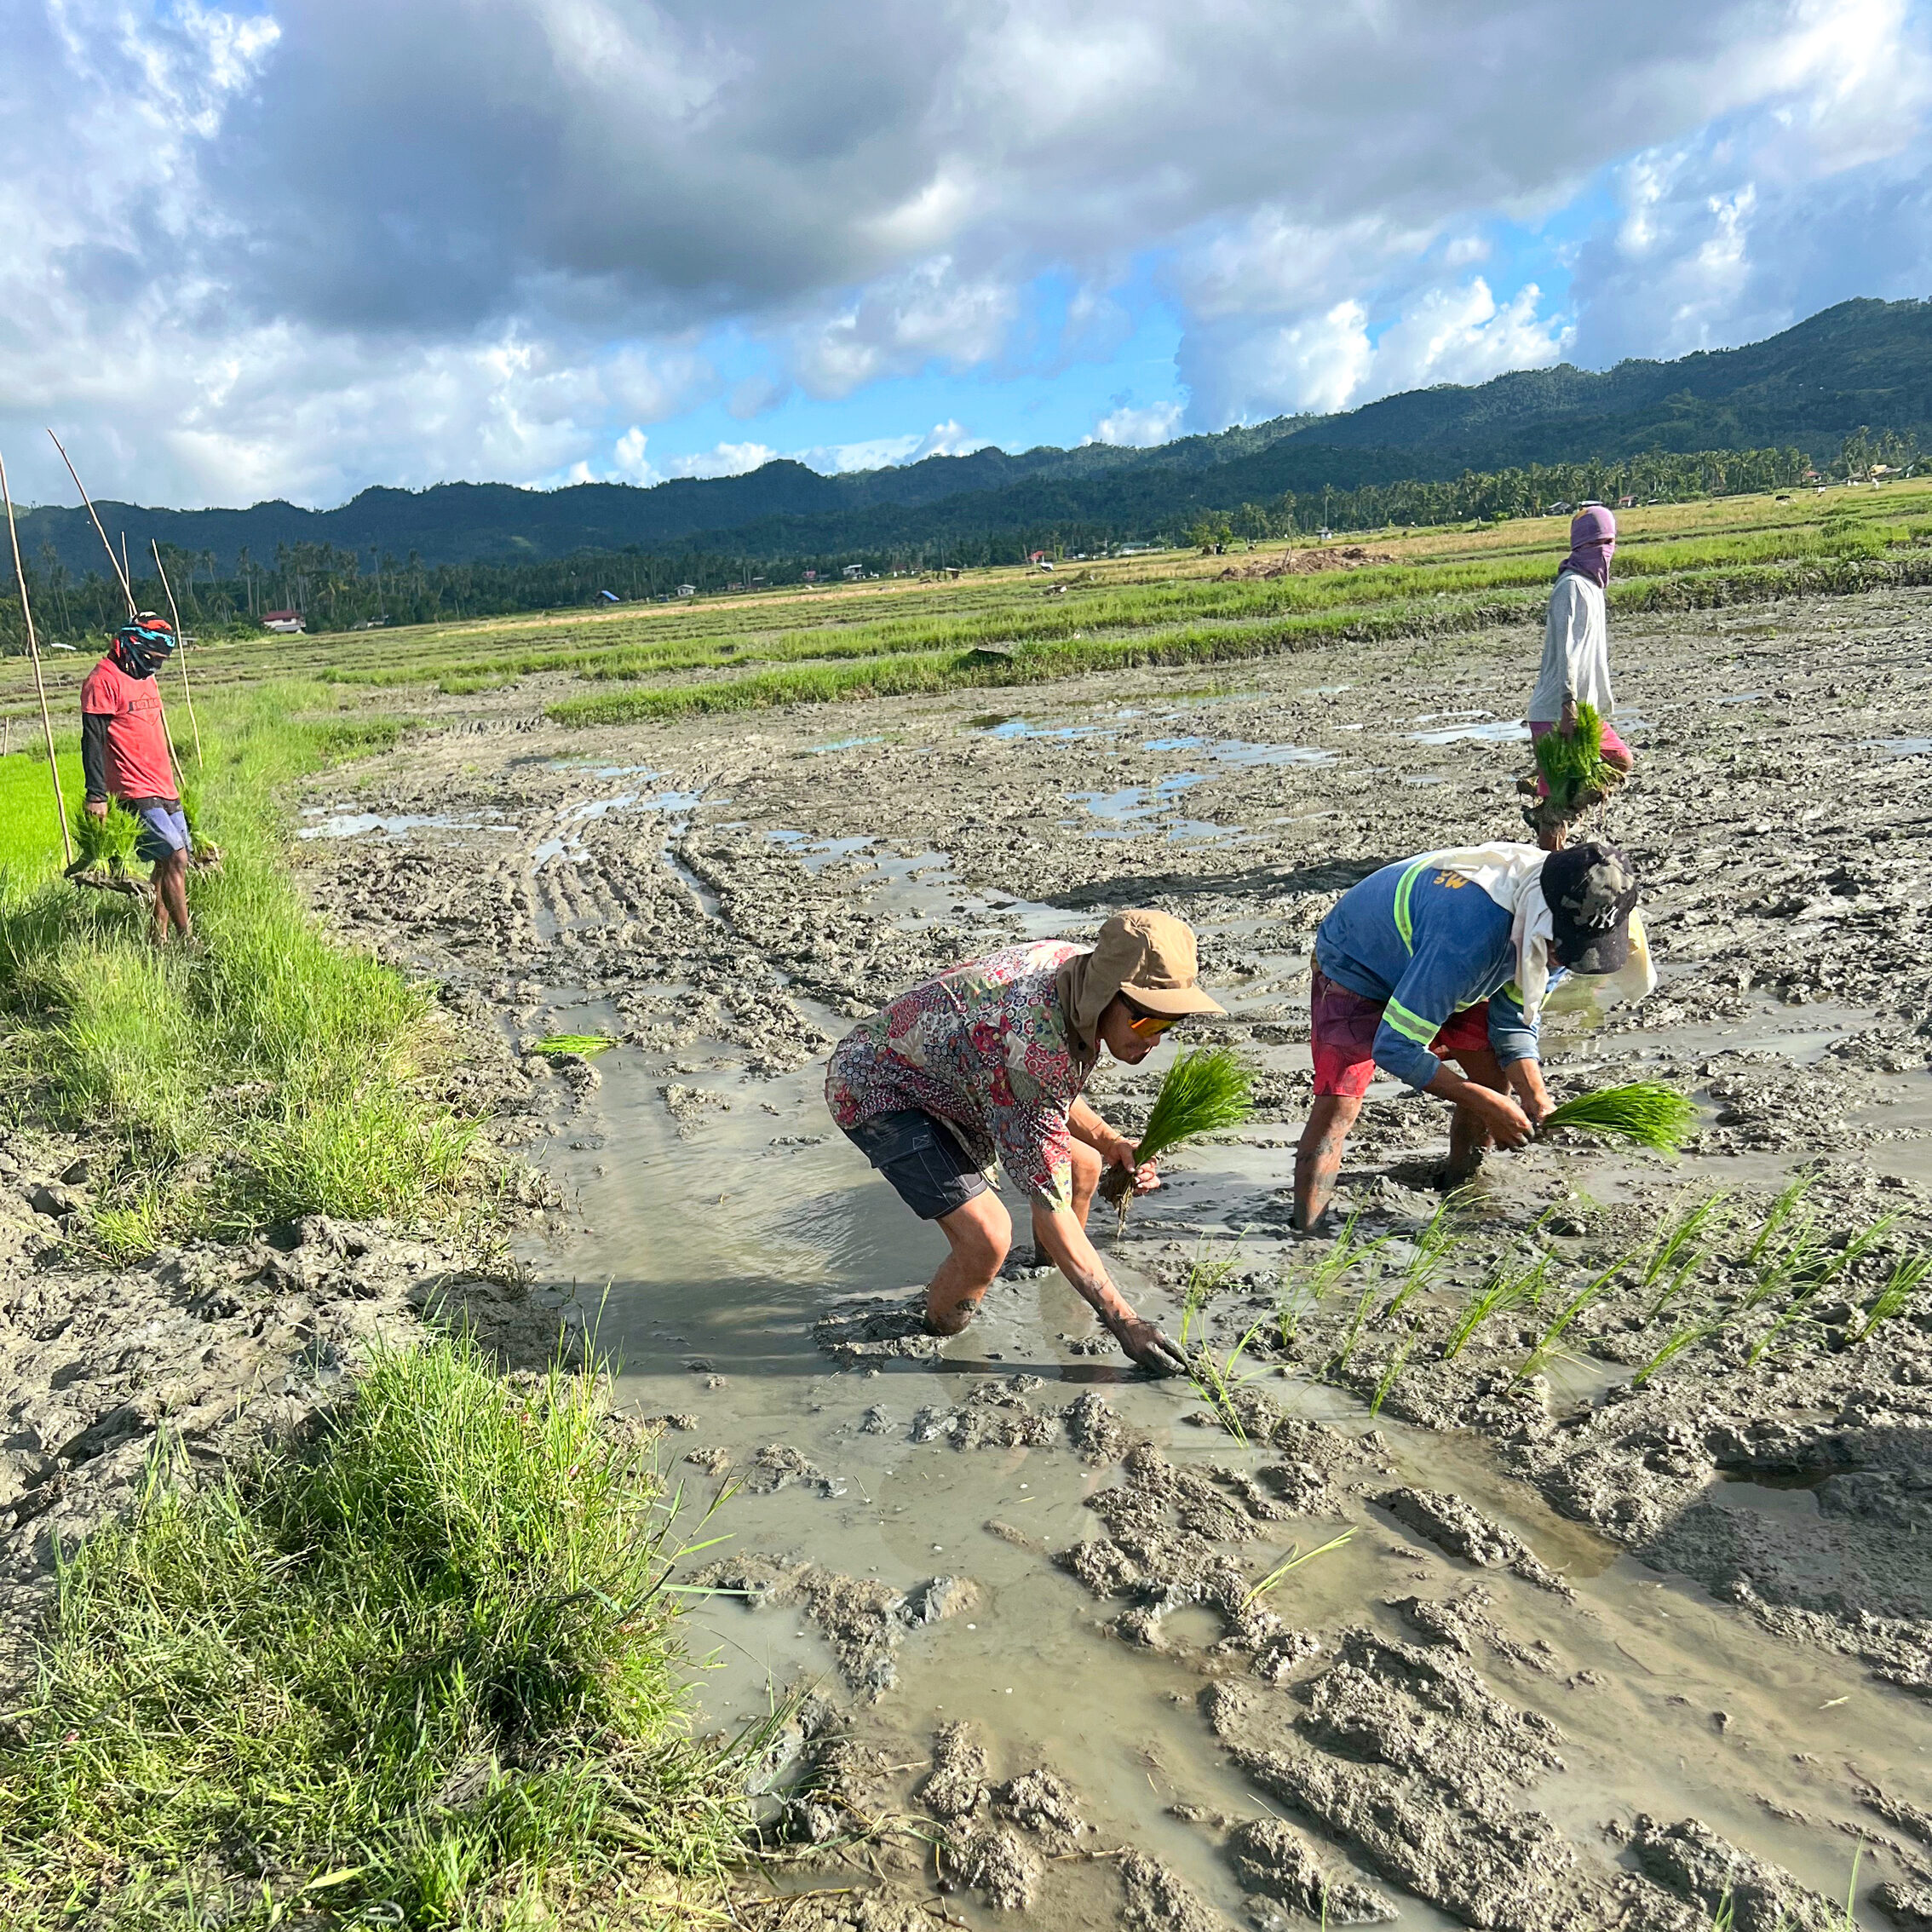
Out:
{"x": 1593, "y": 540}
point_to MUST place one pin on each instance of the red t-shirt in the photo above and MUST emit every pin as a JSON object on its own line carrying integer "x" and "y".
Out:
{"x": 137, "y": 745}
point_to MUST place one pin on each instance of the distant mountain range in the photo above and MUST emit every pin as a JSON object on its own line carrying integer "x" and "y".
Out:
{"x": 1863, "y": 363}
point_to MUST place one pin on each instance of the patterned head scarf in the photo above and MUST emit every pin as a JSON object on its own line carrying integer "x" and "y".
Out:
{"x": 142, "y": 645}
{"x": 1593, "y": 539}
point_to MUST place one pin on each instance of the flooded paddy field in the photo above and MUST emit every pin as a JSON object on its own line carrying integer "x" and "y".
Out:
{"x": 1616, "y": 1599}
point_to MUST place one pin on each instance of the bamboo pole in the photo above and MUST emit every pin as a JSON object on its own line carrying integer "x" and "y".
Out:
{"x": 181, "y": 647}
{"x": 113, "y": 562}
{"x": 39, "y": 686}
{"x": 120, "y": 570}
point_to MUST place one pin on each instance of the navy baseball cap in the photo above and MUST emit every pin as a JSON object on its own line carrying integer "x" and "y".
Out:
{"x": 1591, "y": 891}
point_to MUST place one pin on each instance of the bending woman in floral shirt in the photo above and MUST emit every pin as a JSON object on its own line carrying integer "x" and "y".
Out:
{"x": 986, "y": 1063}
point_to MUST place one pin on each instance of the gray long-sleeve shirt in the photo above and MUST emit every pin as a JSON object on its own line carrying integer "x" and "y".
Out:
{"x": 1576, "y": 652}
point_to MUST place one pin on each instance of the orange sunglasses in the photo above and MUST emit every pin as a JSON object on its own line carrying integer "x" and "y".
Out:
{"x": 1152, "y": 1026}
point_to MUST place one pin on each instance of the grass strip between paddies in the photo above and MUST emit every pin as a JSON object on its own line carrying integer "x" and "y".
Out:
{"x": 1646, "y": 1112}
{"x": 1421, "y": 615}
{"x": 423, "y": 1672}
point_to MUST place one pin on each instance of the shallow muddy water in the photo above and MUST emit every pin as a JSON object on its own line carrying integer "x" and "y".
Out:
{"x": 1669, "y": 1606}
{"x": 711, "y": 1255}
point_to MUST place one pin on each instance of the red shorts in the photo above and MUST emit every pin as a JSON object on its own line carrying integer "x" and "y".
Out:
{"x": 1342, "y": 1036}
{"x": 1608, "y": 742}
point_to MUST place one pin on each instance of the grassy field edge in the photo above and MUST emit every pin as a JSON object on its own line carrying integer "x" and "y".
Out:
{"x": 424, "y": 1671}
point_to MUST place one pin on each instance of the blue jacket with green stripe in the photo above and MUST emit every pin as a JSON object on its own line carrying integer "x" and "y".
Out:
{"x": 1424, "y": 943}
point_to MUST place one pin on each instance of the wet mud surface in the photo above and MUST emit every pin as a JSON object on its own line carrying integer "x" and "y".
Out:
{"x": 1538, "y": 1582}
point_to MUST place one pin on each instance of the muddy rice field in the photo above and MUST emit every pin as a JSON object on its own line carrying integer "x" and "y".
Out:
{"x": 1610, "y": 1486}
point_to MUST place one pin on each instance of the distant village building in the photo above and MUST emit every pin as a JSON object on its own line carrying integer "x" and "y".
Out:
{"x": 286, "y": 622}
{"x": 687, "y": 589}
{"x": 811, "y": 577}
{"x": 853, "y": 572}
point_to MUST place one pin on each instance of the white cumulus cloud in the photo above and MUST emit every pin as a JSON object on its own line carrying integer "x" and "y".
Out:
{"x": 303, "y": 245}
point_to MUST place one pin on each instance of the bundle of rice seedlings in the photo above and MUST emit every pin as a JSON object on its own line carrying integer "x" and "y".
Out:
{"x": 1646, "y": 1112}
{"x": 583, "y": 1045}
{"x": 1574, "y": 768}
{"x": 103, "y": 844}
{"x": 1206, "y": 1091}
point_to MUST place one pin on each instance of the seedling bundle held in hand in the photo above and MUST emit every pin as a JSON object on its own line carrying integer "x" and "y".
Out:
{"x": 103, "y": 844}
{"x": 1207, "y": 1091}
{"x": 1573, "y": 765}
{"x": 1646, "y": 1112}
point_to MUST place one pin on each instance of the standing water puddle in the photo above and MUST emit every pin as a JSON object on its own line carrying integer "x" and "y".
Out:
{"x": 393, "y": 825}
{"x": 721, "y": 1250}
{"x": 1135, "y": 808}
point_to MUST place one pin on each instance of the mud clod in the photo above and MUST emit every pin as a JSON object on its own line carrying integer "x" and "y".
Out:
{"x": 867, "y": 1329}
{"x": 1154, "y": 1901}
{"x": 1042, "y": 1802}
{"x": 996, "y": 1864}
{"x": 1699, "y": 1866}
{"x": 955, "y": 1787}
{"x": 864, "y": 1619}
{"x": 1271, "y": 1858}
{"x": 1908, "y": 1906}
{"x": 1451, "y": 1524}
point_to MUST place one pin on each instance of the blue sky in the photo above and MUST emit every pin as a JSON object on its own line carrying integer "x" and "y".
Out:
{"x": 323, "y": 243}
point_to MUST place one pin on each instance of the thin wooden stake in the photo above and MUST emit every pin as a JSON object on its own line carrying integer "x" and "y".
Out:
{"x": 113, "y": 562}
{"x": 181, "y": 647}
{"x": 33, "y": 652}
{"x": 120, "y": 570}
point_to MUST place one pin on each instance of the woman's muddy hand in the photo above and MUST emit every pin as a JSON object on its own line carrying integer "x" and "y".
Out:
{"x": 1143, "y": 1341}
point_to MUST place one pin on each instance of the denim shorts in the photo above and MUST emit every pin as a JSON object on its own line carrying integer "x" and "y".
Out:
{"x": 921, "y": 1156}
{"x": 164, "y": 830}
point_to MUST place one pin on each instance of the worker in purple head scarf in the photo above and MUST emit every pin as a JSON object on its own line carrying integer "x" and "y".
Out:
{"x": 1576, "y": 640}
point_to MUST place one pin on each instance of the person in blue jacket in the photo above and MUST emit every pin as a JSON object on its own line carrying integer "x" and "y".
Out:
{"x": 1448, "y": 957}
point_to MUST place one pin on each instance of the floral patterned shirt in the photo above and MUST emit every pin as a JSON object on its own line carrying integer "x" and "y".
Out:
{"x": 984, "y": 1046}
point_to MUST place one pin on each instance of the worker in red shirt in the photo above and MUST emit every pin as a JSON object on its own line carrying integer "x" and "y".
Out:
{"x": 124, "y": 756}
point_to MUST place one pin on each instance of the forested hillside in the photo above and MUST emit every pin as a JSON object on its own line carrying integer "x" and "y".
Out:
{"x": 1736, "y": 419}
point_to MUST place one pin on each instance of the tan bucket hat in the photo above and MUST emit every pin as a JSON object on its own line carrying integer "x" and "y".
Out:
{"x": 1151, "y": 957}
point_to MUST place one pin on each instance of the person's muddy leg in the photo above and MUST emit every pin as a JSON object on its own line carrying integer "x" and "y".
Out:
{"x": 170, "y": 897}
{"x": 1088, "y": 1167}
{"x": 1318, "y": 1159}
{"x": 1468, "y": 1139}
{"x": 978, "y": 1234}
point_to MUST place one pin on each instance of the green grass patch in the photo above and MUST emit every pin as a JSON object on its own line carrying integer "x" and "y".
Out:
{"x": 30, "y": 827}
{"x": 425, "y": 1673}
{"x": 582, "y": 1044}
{"x": 269, "y": 1073}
